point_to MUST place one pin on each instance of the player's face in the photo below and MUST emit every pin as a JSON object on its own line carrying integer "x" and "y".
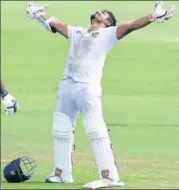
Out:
{"x": 101, "y": 16}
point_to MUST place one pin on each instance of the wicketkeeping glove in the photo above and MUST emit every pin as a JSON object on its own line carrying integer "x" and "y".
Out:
{"x": 161, "y": 15}
{"x": 10, "y": 103}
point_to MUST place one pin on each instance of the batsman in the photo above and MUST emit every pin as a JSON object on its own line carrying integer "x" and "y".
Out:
{"x": 80, "y": 90}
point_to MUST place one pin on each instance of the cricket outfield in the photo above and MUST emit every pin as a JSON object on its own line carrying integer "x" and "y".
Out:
{"x": 140, "y": 95}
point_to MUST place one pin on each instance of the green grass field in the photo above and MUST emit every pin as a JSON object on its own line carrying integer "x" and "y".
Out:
{"x": 140, "y": 95}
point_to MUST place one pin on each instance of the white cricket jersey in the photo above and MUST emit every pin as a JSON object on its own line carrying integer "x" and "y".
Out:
{"x": 87, "y": 53}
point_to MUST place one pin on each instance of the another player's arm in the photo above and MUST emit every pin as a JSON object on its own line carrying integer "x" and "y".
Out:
{"x": 3, "y": 91}
{"x": 56, "y": 25}
{"x": 10, "y": 103}
{"x": 125, "y": 29}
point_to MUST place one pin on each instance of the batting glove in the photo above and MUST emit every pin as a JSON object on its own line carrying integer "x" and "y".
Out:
{"x": 161, "y": 15}
{"x": 10, "y": 103}
{"x": 33, "y": 9}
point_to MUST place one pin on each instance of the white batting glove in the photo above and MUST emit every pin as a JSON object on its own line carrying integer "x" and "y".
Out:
{"x": 161, "y": 15}
{"x": 10, "y": 103}
{"x": 33, "y": 9}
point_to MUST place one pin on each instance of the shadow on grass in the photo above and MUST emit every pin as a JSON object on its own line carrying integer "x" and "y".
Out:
{"x": 42, "y": 182}
{"x": 139, "y": 124}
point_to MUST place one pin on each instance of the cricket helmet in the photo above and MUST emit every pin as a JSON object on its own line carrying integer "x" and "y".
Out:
{"x": 19, "y": 170}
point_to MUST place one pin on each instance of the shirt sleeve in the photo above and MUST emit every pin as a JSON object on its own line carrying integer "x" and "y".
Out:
{"x": 71, "y": 31}
{"x": 110, "y": 37}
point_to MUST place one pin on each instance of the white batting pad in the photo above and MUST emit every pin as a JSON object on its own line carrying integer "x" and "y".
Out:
{"x": 63, "y": 146}
{"x": 98, "y": 135}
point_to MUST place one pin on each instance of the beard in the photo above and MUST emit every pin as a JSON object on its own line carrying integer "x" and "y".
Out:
{"x": 92, "y": 17}
{"x": 99, "y": 19}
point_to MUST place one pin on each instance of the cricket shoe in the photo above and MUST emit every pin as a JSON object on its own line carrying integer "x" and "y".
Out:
{"x": 56, "y": 179}
{"x": 103, "y": 183}
{"x": 53, "y": 179}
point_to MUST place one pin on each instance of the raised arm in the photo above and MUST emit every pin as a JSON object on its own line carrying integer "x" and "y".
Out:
{"x": 125, "y": 29}
{"x": 160, "y": 15}
{"x": 56, "y": 25}
{"x": 50, "y": 23}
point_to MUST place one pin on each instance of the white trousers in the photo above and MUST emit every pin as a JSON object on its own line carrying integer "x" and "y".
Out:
{"x": 74, "y": 97}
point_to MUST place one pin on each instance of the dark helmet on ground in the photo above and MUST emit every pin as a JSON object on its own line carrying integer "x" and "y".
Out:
{"x": 19, "y": 170}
